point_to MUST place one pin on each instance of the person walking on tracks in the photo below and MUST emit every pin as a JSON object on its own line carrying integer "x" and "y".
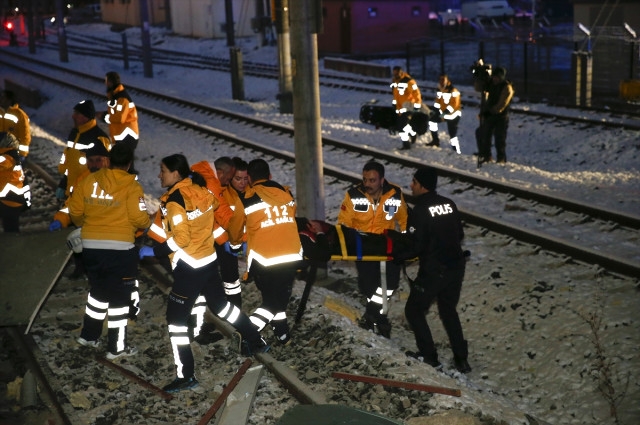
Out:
{"x": 407, "y": 100}
{"x": 187, "y": 210}
{"x": 109, "y": 207}
{"x": 447, "y": 108}
{"x": 274, "y": 251}
{"x": 436, "y": 229}
{"x": 121, "y": 114}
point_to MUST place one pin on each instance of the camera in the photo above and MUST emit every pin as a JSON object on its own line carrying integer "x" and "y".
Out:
{"x": 481, "y": 74}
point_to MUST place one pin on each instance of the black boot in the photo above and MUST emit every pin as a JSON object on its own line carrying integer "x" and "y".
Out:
{"x": 434, "y": 139}
{"x": 461, "y": 364}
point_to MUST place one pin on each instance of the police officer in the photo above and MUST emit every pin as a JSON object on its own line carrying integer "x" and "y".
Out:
{"x": 436, "y": 229}
{"x": 374, "y": 206}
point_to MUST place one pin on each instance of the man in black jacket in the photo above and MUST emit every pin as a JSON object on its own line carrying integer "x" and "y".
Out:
{"x": 494, "y": 116}
{"x": 435, "y": 226}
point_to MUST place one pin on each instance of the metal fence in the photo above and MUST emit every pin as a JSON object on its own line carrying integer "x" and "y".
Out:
{"x": 542, "y": 68}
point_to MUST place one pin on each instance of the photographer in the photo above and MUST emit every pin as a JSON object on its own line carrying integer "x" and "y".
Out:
{"x": 494, "y": 116}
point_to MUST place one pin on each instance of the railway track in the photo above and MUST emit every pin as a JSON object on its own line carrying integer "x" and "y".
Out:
{"x": 80, "y": 388}
{"x": 579, "y": 229}
{"x": 85, "y": 45}
{"x": 112, "y": 398}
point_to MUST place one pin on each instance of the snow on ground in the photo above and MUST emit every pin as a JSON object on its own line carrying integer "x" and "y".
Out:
{"x": 522, "y": 320}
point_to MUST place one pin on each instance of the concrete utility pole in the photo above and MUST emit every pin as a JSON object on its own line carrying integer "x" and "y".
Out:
{"x": 31, "y": 27}
{"x": 228, "y": 11}
{"x": 62, "y": 34}
{"x": 285, "y": 96}
{"x": 146, "y": 39}
{"x": 306, "y": 109}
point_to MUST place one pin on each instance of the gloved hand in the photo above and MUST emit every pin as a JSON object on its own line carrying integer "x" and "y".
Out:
{"x": 60, "y": 193}
{"x": 55, "y": 225}
{"x": 230, "y": 250}
{"x": 146, "y": 251}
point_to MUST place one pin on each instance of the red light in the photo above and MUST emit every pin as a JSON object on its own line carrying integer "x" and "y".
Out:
{"x": 9, "y": 26}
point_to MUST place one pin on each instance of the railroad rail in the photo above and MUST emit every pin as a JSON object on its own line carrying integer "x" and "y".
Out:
{"x": 606, "y": 117}
{"x": 619, "y": 222}
{"x": 75, "y": 375}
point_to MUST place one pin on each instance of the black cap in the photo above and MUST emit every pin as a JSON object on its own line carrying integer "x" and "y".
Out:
{"x": 427, "y": 177}
{"x": 97, "y": 149}
{"x": 500, "y": 72}
{"x": 86, "y": 108}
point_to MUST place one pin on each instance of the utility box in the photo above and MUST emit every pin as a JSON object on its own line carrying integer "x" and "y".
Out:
{"x": 630, "y": 89}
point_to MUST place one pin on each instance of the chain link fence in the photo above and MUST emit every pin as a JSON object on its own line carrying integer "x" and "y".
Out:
{"x": 541, "y": 68}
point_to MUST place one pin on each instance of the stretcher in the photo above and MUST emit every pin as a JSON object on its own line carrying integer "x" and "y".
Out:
{"x": 341, "y": 243}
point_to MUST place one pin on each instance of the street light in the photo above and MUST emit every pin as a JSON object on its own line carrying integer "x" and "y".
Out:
{"x": 586, "y": 31}
{"x": 630, "y": 30}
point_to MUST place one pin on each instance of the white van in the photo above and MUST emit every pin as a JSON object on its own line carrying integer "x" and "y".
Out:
{"x": 495, "y": 9}
{"x": 487, "y": 9}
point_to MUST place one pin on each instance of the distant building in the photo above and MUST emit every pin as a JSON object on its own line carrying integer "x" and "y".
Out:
{"x": 359, "y": 27}
{"x": 195, "y": 18}
{"x": 127, "y": 12}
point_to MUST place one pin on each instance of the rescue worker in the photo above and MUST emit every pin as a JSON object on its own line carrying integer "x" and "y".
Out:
{"x": 188, "y": 219}
{"x": 84, "y": 135}
{"x": 97, "y": 158}
{"x": 448, "y": 108}
{"x": 228, "y": 260}
{"x": 225, "y": 169}
{"x": 274, "y": 251}
{"x": 406, "y": 99}
{"x": 15, "y": 121}
{"x": 15, "y": 196}
{"x": 109, "y": 207}
{"x": 121, "y": 114}
{"x": 199, "y": 330}
{"x": 374, "y": 206}
{"x": 494, "y": 117}
{"x": 436, "y": 230}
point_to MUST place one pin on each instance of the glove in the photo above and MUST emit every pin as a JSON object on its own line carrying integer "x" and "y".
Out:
{"x": 60, "y": 193}
{"x": 146, "y": 251}
{"x": 55, "y": 225}
{"x": 231, "y": 250}
{"x": 244, "y": 249}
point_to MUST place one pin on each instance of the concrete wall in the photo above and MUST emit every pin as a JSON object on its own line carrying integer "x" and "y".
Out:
{"x": 116, "y": 12}
{"x": 205, "y": 18}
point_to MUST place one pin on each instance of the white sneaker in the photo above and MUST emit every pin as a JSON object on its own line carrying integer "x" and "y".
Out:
{"x": 85, "y": 343}
{"x": 128, "y": 351}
